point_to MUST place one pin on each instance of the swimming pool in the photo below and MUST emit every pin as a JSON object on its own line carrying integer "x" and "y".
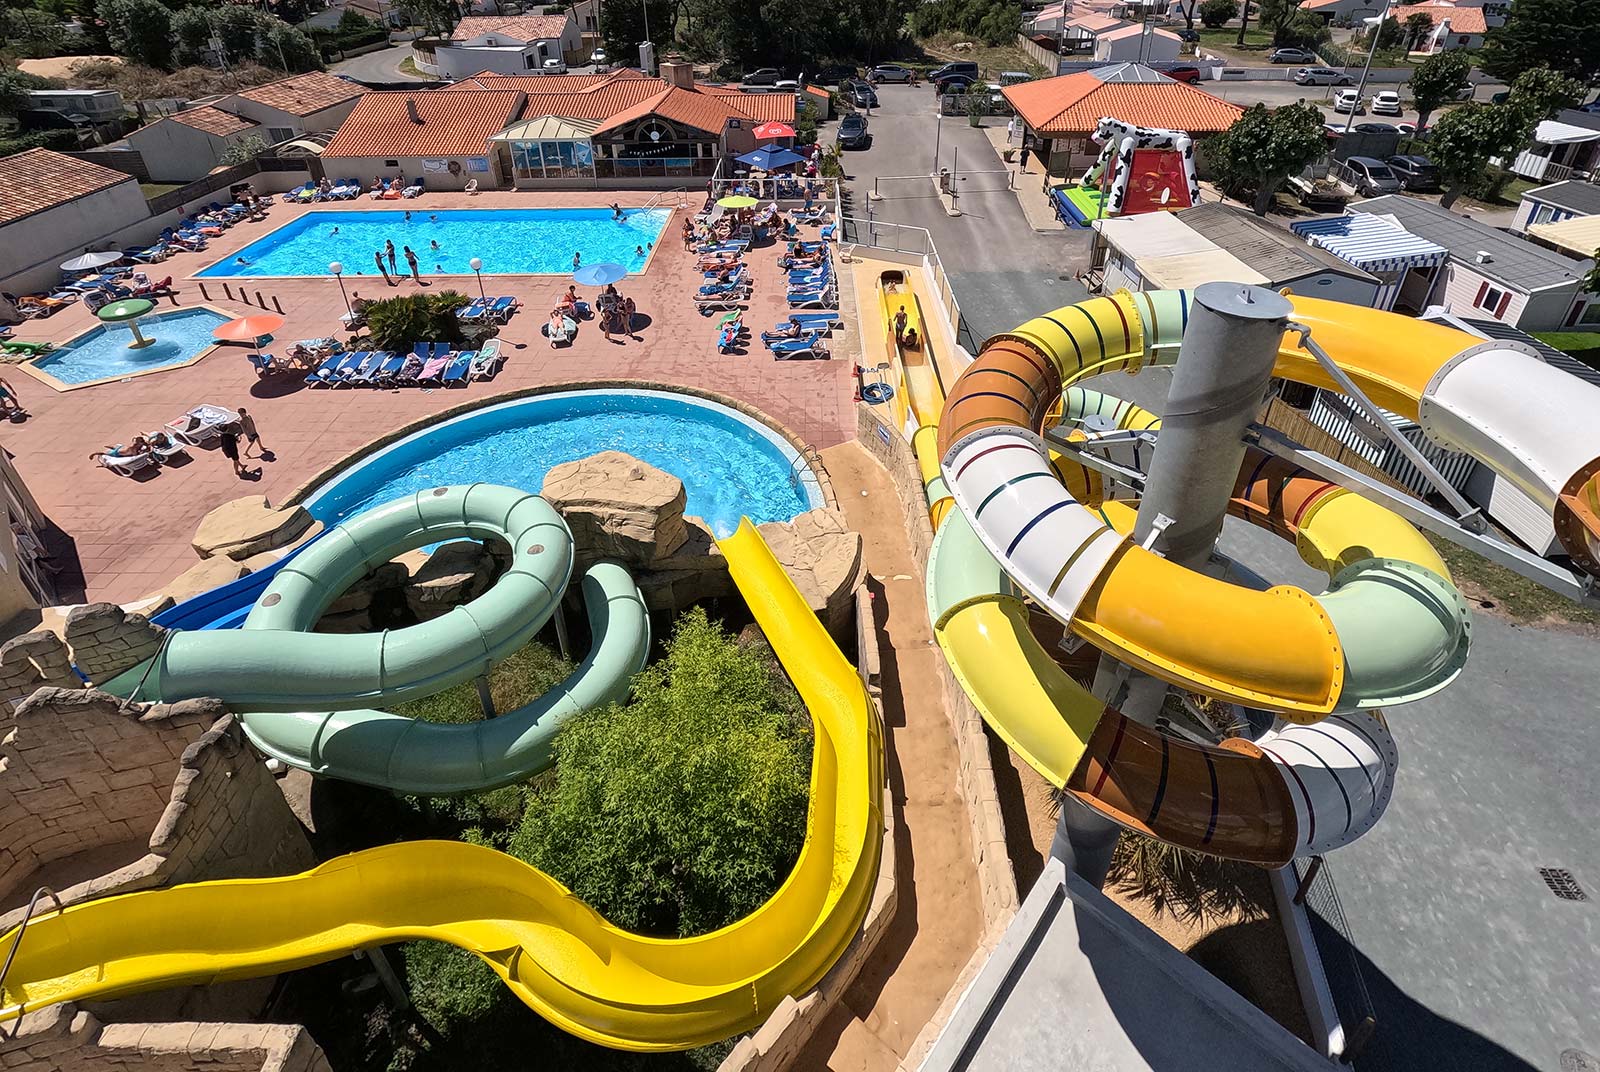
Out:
{"x": 730, "y": 464}
{"x": 521, "y": 241}
{"x": 102, "y": 353}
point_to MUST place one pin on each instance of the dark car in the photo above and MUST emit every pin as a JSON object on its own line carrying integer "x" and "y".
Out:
{"x": 1190, "y": 75}
{"x": 965, "y": 68}
{"x": 853, "y": 132}
{"x": 860, "y": 94}
{"x": 1376, "y": 128}
{"x": 1414, "y": 172}
{"x": 955, "y": 83}
{"x": 1191, "y": 36}
{"x": 764, "y": 76}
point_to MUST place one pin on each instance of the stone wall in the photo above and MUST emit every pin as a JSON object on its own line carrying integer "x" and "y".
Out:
{"x": 106, "y": 640}
{"x": 65, "y": 1037}
{"x": 27, "y": 662}
{"x": 997, "y": 881}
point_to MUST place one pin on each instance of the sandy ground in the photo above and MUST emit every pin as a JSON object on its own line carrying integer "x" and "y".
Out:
{"x": 60, "y": 66}
{"x": 938, "y": 921}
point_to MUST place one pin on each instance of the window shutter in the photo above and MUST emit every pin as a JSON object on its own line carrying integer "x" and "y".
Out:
{"x": 1505, "y": 300}
{"x": 1483, "y": 288}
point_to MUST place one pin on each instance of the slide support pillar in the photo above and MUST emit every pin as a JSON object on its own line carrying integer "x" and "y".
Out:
{"x": 1218, "y": 383}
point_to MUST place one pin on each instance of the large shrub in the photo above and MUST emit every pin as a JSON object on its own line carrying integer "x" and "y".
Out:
{"x": 683, "y": 810}
{"x": 398, "y": 323}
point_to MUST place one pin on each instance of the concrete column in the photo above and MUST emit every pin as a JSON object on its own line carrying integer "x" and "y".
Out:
{"x": 1218, "y": 383}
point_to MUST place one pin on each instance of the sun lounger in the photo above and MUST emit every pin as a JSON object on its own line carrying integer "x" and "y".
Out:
{"x": 710, "y": 303}
{"x": 501, "y": 309}
{"x": 459, "y": 370}
{"x": 487, "y": 360}
{"x": 389, "y": 370}
{"x": 174, "y": 449}
{"x": 477, "y": 309}
{"x": 808, "y": 347}
{"x": 561, "y": 335}
{"x": 729, "y": 333}
{"x": 810, "y": 321}
{"x": 201, "y": 425}
{"x": 433, "y": 371}
{"x": 346, "y": 368}
{"x": 367, "y": 373}
{"x": 125, "y": 464}
{"x": 410, "y": 368}
{"x": 318, "y": 377}
{"x": 813, "y": 299}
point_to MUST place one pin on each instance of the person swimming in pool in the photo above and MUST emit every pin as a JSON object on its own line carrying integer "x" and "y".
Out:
{"x": 240, "y": 260}
{"x": 333, "y": 232}
{"x": 433, "y": 217}
{"x": 408, "y": 215}
{"x": 638, "y": 251}
{"x": 435, "y": 245}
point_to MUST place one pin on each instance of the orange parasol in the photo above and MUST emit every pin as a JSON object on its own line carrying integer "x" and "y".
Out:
{"x": 250, "y": 329}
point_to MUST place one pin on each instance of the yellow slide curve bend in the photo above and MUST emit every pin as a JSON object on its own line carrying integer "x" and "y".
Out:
{"x": 555, "y": 952}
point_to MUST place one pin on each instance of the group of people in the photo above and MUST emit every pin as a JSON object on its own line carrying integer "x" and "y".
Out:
{"x": 616, "y": 313}
{"x": 391, "y": 274}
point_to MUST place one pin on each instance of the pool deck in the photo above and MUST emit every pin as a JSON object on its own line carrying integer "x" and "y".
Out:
{"x": 133, "y": 535}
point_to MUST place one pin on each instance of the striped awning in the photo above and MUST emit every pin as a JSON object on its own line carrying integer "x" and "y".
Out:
{"x": 1370, "y": 242}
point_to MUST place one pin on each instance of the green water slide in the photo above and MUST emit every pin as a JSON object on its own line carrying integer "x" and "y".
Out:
{"x": 306, "y": 698}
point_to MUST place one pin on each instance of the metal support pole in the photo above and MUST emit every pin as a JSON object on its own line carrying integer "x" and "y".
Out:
{"x": 485, "y": 700}
{"x": 1218, "y": 384}
{"x": 561, "y": 631}
{"x": 379, "y": 959}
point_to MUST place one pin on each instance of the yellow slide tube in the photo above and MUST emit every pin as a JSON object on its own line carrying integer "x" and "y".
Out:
{"x": 557, "y": 954}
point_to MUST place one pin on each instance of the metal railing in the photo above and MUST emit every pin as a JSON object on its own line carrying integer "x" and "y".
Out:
{"x": 680, "y": 192}
{"x": 16, "y": 943}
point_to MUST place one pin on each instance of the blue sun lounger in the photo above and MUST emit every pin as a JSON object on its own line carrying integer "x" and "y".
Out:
{"x": 807, "y": 347}
{"x": 456, "y": 373}
{"x": 367, "y": 374}
{"x": 329, "y": 372}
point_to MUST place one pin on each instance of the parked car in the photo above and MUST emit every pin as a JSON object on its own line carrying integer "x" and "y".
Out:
{"x": 1190, "y": 75}
{"x": 1321, "y": 76}
{"x": 1376, "y": 128}
{"x": 966, "y": 68}
{"x": 1592, "y": 107}
{"x": 1348, "y": 101}
{"x": 1410, "y": 130}
{"x": 553, "y": 65}
{"x": 1369, "y": 176}
{"x": 1013, "y": 78}
{"x": 955, "y": 83}
{"x": 853, "y": 132}
{"x": 599, "y": 58}
{"x": 861, "y": 94}
{"x": 763, "y": 76}
{"x": 1292, "y": 55}
{"x": 1191, "y": 36}
{"x": 890, "y": 72}
{"x": 1386, "y": 102}
{"x": 1414, "y": 172}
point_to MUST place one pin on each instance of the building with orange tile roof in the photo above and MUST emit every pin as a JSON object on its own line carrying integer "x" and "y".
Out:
{"x": 53, "y": 207}
{"x": 1059, "y": 114}
{"x": 505, "y": 44}
{"x": 303, "y": 104}
{"x": 442, "y": 137}
{"x": 1454, "y": 25}
{"x": 185, "y": 145}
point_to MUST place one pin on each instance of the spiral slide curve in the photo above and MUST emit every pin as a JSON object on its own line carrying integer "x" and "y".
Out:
{"x": 556, "y": 953}
{"x": 1389, "y": 630}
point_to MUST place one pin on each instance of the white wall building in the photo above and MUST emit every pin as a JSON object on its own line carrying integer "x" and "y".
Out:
{"x": 514, "y": 44}
{"x": 183, "y": 147}
{"x": 52, "y": 208}
{"x": 1137, "y": 43}
{"x": 305, "y": 104}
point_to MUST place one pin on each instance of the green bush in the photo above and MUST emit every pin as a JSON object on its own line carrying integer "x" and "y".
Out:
{"x": 1216, "y": 13}
{"x": 398, "y": 323}
{"x": 40, "y": 139}
{"x": 685, "y": 809}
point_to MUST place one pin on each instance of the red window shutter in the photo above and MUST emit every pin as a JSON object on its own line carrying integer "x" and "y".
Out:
{"x": 1505, "y": 300}
{"x": 1483, "y": 288}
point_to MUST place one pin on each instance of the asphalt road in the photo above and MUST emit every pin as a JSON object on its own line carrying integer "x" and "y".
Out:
{"x": 380, "y": 66}
{"x": 1003, "y": 271}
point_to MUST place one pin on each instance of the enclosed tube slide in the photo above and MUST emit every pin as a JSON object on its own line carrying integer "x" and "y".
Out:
{"x": 1390, "y": 629}
{"x": 556, "y": 953}
{"x": 304, "y": 696}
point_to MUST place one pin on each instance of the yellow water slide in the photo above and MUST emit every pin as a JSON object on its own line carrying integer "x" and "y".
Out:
{"x": 555, "y": 952}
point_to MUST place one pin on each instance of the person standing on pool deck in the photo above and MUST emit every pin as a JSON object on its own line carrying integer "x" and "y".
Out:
{"x": 252, "y": 438}
{"x": 377, "y": 258}
{"x": 411, "y": 262}
{"x": 229, "y": 440}
{"x": 388, "y": 251}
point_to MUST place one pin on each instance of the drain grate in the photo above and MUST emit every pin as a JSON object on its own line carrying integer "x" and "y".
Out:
{"x": 1562, "y": 884}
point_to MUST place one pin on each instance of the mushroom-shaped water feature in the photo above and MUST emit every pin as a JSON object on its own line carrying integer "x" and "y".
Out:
{"x": 128, "y": 311}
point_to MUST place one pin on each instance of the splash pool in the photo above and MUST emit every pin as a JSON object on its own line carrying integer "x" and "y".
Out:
{"x": 518, "y": 241}
{"x": 730, "y": 464}
{"x": 102, "y": 353}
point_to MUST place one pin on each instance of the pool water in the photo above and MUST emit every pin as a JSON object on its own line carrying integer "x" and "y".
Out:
{"x": 730, "y": 464}
{"x": 103, "y": 353}
{"x": 508, "y": 241}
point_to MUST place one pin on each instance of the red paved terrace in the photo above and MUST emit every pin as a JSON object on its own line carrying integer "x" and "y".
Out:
{"x": 132, "y": 535}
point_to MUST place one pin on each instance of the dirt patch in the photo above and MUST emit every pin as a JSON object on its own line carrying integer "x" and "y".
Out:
{"x": 62, "y": 66}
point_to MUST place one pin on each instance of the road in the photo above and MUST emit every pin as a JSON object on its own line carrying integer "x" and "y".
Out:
{"x": 1274, "y": 94}
{"x": 381, "y": 66}
{"x": 1001, "y": 268}
{"x": 1471, "y": 962}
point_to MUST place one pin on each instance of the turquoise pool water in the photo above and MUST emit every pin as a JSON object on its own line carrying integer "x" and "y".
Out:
{"x": 730, "y": 465}
{"x": 103, "y": 353}
{"x": 518, "y": 241}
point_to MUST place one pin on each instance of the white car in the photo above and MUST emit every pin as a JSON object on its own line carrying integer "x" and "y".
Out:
{"x": 1386, "y": 103}
{"x": 599, "y": 58}
{"x": 1347, "y": 100}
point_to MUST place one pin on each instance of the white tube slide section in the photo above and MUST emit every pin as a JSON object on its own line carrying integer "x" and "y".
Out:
{"x": 1340, "y": 773}
{"x": 1050, "y": 544}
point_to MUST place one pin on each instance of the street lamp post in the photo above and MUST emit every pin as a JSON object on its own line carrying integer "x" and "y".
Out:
{"x": 338, "y": 273}
{"x": 477, "y": 270}
{"x": 1361, "y": 87}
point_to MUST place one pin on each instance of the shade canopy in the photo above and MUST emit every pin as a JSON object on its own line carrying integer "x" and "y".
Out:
{"x": 126, "y": 309}
{"x": 737, "y": 201}
{"x": 598, "y": 275}
{"x": 248, "y": 328}
{"x": 773, "y": 130}
{"x": 90, "y": 261}
{"x": 771, "y": 158}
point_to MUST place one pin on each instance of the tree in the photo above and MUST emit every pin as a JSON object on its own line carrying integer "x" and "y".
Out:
{"x": 1418, "y": 27}
{"x": 289, "y": 48}
{"x": 29, "y": 33}
{"x": 1437, "y": 80}
{"x": 1390, "y": 35}
{"x": 140, "y": 30}
{"x": 1464, "y": 139}
{"x": 1563, "y": 35}
{"x": 191, "y": 30}
{"x": 1272, "y": 14}
{"x": 246, "y": 148}
{"x": 434, "y": 16}
{"x": 1305, "y": 30}
{"x": 13, "y": 92}
{"x": 1244, "y": 21}
{"x": 1591, "y": 278}
{"x": 1215, "y": 13}
{"x": 685, "y": 809}
{"x": 239, "y": 28}
{"x": 1263, "y": 148}
{"x": 1541, "y": 93}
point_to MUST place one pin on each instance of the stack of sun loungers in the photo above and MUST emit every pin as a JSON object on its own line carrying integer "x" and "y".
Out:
{"x": 813, "y": 288}
{"x": 489, "y": 310}
{"x": 427, "y": 365}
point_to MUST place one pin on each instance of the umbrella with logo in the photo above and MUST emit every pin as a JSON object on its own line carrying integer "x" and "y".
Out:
{"x": 250, "y": 329}
{"x": 769, "y": 131}
{"x": 598, "y": 275}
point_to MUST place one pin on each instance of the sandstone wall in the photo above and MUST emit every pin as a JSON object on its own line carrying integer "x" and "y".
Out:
{"x": 998, "y": 881}
{"x": 64, "y": 1037}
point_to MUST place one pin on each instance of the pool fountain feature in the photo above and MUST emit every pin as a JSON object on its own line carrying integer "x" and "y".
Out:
{"x": 117, "y": 349}
{"x": 128, "y": 311}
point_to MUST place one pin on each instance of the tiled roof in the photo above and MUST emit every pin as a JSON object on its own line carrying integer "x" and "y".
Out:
{"x": 517, "y": 27}
{"x": 1580, "y": 197}
{"x": 1463, "y": 20}
{"x": 608, "y": 96}
{"x": 536, "y": 83}
{"x": 453, "y": 124}
{"x": 1094, "y": 23}
{"x": 304, "y": 94}
{"x": 211, "y": 120}
{"x": 702, "y": 111}
{"x": 1513, "y": 260}
{"x": 1075, "y": 104}
{"x": 765, "y": 107}
{"x": 39, "y": 179}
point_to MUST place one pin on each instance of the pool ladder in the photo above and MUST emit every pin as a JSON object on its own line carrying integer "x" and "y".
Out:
{"x": 802, "y": 464}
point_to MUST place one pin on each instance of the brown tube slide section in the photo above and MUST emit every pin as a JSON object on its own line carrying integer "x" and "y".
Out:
{"x": 1010, "y": 386}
